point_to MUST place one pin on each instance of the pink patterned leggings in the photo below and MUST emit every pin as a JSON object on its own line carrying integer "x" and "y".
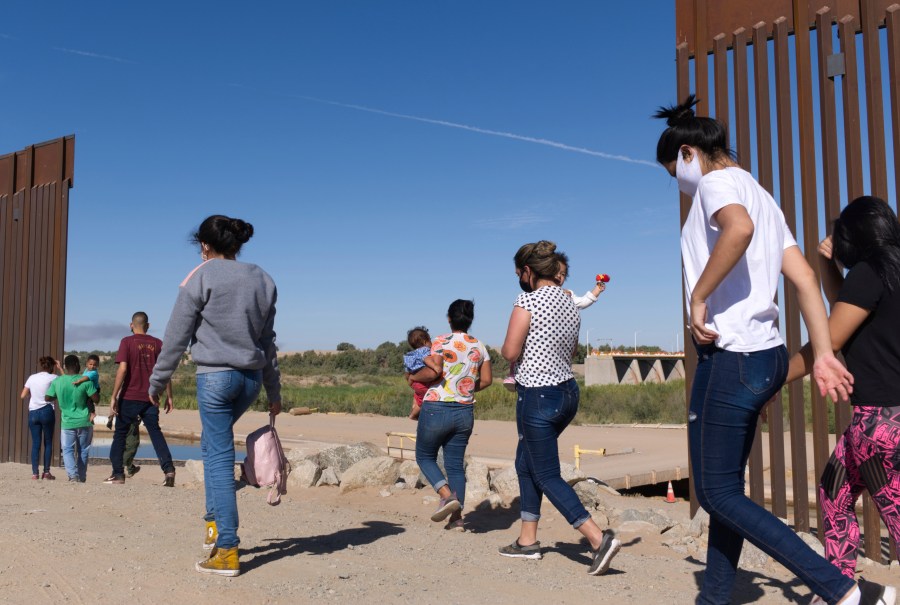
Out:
{"x": 867, "y": 456}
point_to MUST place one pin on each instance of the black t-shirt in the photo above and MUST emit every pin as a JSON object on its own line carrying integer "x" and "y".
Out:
{"x": 873, "y": 352}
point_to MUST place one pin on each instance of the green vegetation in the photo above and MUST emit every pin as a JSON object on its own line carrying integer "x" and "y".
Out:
{"x": 370, "y": 381}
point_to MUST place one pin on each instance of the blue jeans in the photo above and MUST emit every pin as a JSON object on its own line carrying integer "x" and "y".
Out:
{"x": 223, "y": 397}
{"x": 129, "y": 410}
{"x": 448, "y": 425}
{"x": 76, "y": 463}
{"x": 728, "y": 393}
{"x": 41, "y": 422}
{"x": 542, "y": 414}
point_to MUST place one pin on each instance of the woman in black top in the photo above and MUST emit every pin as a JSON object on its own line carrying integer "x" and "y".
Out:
{"x": 865, "y": 326}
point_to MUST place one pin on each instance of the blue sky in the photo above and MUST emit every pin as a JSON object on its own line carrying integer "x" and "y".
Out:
{"x": 391, "y": 156}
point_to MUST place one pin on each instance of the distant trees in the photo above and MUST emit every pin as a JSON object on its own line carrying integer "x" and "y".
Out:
{"x": 385, "y": 359}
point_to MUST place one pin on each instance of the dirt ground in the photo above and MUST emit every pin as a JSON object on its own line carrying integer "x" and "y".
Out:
{"x": 137, "y": 543}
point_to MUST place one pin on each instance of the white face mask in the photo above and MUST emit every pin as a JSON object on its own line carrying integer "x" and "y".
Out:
{"x": 688, "y": 173}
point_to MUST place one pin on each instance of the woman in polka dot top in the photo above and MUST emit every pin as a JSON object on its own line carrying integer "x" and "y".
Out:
{"x": 541, "y": 339}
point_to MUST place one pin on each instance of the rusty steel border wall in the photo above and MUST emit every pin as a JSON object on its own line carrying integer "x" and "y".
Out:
{"x": 34, "y": 225}
{"x": 785, "y": 38}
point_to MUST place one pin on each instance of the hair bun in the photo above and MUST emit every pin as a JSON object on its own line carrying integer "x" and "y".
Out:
{"x": 243, "y": 231}
{"x": 545, "y": 247}
{"x": 678, "y": 115}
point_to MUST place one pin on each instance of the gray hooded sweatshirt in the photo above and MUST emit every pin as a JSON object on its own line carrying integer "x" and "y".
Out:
{"x": 225, "y": 312}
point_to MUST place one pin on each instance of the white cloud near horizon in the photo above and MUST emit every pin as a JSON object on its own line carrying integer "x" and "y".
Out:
{"x": 84, "y": 53}
{"x": 78, "y": 335}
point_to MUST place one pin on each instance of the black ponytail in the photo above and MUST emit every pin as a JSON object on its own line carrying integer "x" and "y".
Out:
{"x": 684, "y": 128}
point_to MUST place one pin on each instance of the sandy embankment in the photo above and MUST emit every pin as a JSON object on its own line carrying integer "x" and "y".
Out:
{"x": 96, "y": 543}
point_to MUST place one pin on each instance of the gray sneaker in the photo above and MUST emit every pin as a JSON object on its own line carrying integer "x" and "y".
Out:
{"x": 532, "y": 551}
{"x": 603, "y": 556}
{"x": 445, "y": 507}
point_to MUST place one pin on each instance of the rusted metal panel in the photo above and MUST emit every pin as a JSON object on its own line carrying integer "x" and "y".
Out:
{"x": 682, "y": 67}
{"x": 765, "y": 176}
{"x": 850, "y": 94}
{"x": 725, "y": 27}
{"x": 34, "y": 185}
{"x": 796, "y": 417}
{"x": 874, "y": 103}
{"x": 893, "y": 42}
{"x": 829, "y": 150}
{"x": 728, "y": 17}
{"x": 810, "y": 209}
{"x": 720, "y": 75}
{"x": 762, "y": 105}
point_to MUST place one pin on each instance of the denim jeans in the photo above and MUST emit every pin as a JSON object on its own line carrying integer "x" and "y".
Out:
{"x": 728, "y": 393}
{"x": 223, "y": 397}
{"x": 76, "y": 463}
{"x": 129, "y": 410}
{"x": 41, "y": 421}
{"x": 448, "y": 425}
{"x": 542, "y": 414}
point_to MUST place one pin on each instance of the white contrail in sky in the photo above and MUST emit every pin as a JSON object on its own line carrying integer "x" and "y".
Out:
{"x": 496, "y": 133}
{"x": 85, "y": 53}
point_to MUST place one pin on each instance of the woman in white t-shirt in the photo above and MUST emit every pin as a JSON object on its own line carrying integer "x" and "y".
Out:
{"x": 41, "y": 414}
{"x": 734, "y": 245}
{"x": 541, "y": 339}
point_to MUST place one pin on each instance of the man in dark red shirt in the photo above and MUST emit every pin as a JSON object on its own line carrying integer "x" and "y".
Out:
{"x": 130, "y": 398}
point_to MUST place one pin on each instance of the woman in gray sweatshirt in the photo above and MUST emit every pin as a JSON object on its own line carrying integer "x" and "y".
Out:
{"x": 225, "y": 312}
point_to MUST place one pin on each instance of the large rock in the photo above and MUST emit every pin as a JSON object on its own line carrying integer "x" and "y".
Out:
{"x": 328, "y": 477}
{"x": 194, "y": 470}
{"x": 409, "y": 473}
{"x": 699, "y": 524}
{"x": 589, "y": 494}
{"x": 506, "y": 483}
{"x": 570, "y": 474}
{"x": 297, "y": 456}
{"x": 304, "y": 474}
{"x": 812, "y": 542}
{"x": 657, "y": 519}
{"x": 478, "y": 484}
{"x": 344, "y": 456}
{"x": 752, "y": 557}
{"x": 380, "y": 471}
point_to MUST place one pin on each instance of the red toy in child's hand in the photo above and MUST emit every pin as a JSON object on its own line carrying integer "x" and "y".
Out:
{"x": 603, "y": 277}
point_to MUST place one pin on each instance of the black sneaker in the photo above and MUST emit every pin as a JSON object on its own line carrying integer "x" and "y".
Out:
{"x": 115, "y": 480}
{"x": 532, "y": 551}
{"x": 170, "y": 479}
{"x": 134, "y": 470}
{"x": 876, "y": 594}
{"x": 603, "y": 556}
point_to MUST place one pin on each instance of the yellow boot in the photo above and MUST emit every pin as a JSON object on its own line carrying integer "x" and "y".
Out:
{"x": 211, "y": 534}
{"x": 221, "y": 561}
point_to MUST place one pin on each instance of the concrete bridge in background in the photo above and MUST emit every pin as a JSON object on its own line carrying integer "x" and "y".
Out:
{"x": 632, "y": 369}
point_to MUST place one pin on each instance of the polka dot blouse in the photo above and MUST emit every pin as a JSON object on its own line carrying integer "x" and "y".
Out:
{"x": 552, "y": 335}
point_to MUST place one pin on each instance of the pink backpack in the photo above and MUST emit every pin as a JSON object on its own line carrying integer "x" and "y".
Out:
{"x": 266, "y": 464}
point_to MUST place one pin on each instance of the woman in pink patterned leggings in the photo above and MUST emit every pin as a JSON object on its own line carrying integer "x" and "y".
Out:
{"x": 865, "y": 326}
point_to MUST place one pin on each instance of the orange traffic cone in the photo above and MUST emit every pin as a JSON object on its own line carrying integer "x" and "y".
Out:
{"x": 670, "y": 494}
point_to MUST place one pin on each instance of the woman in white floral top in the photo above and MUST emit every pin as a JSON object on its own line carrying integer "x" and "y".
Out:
{"x": 448, "y": 415}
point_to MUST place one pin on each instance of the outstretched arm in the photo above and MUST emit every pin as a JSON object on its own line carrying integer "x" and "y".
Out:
{"x": 830, "y": 375}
